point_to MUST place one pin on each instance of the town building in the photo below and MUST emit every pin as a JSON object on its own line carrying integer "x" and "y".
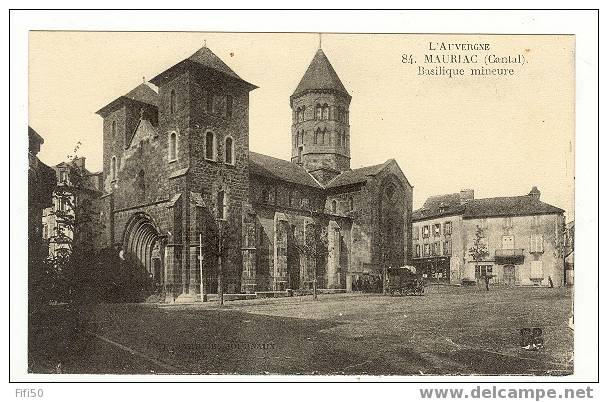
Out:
{"x": 74, "y": 190}
{"x": 522, "y": 236}
{"x": 41, "y": 183}
{"x": 178, "y": 174}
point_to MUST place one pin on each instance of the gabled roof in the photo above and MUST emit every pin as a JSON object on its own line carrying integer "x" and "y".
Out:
{"x": 508, "y": 206}
{"x": 355, "y": 176}
{"x": 203, "y": 57}
{"x": 439, "y": 205}
{"x": 449, "y": 204}
{"x": 279, "y": 169}
{"x": 142, "y": 93}
{"x": 320, "y": 75}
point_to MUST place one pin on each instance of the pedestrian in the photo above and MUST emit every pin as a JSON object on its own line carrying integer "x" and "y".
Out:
{"x": 486, "y": 279}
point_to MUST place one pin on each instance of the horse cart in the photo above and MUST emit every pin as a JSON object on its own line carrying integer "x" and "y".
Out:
{"x": 404, "y": 281}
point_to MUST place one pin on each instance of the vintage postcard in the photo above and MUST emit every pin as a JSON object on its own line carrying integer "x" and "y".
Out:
{"x": 348, "y": 204}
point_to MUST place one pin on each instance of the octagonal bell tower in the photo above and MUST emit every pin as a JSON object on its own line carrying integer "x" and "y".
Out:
{"x": 320, "y": 131}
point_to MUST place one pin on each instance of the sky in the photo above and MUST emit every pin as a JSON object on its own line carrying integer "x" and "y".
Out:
{"x": 497, "y": 135}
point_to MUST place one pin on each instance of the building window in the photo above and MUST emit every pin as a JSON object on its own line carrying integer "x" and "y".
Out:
{"x": 436, "y": 249}
{"x": 300, "y": 114}
{"x": 299, "y": 154}
{"x": 315, "y": 138}
{"x": 113, "y": 129}
{"x": 536, "y": 243}
{"x": 536, "y": 270}
{"x": 172, "y": 146}
{"x": 416, "y": 233}
{"x": 305, "y": 202}
{"x": 437, "y": 230}
{"x": 63, "y": 176}
{"x": 113, "y": 168}
{"x": 334, "y": 206}
{"x": 447, "y": 247}
{"x": 229, "y": 151}
{"x": 172, "y": 102}
{"x": 265, "y": 196}
{"x": 290, "y": 198}
{"x": 427, "y": 250}
{"x": 351, "y": 204}
{"x": 425, "y": 232}
{"x": 221, "y": 204}
{"x": 210, "y": 146}
{"x": 325, "y": 115}
{"x": 229, "y": 105}
{"x": 319, "y": 112}
{"x": 417, "y": 252}
{"x": 482, "y": 271}
{"x": 447, "y": 228}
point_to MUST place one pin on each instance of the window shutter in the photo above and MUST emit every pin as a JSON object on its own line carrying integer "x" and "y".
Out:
{"x": 536, "y": 269}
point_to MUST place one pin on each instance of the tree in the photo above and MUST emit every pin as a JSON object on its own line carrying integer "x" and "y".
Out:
{"x": 217, "y": 241}
{"x": 479, "y": 252}
{"x": 314, "y": 248}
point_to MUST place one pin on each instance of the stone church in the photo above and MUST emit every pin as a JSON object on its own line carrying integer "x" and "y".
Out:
{"x": 178, "y": 174}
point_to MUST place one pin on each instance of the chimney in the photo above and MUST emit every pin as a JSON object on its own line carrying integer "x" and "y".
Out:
{"x": 535, "y": 193}
{"x": 466, "y": 196}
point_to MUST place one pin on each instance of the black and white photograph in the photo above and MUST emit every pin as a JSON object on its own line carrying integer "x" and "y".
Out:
{"x": 310, "y": 204}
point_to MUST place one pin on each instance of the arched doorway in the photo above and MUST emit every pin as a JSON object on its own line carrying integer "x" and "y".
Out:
{"x": 142, "y": 241}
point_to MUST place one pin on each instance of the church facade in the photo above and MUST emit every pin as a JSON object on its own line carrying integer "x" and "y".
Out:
{"x": 180, "y": 183}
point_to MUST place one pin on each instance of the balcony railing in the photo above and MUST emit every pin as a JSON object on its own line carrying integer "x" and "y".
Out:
{"x": 515, "y": 252}
{"x": 509, "y": 256}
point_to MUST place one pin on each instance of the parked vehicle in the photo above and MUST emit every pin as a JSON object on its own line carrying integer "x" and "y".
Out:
{"x": 404, "y": 281}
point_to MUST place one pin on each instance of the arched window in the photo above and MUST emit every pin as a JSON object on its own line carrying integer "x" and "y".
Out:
{"x": 209, "y": 102}
{"x": 339, "y": 138}
{"x": 302, "y": 114}
{"x": 229, "y": 105}
{"x": 323, "y": 137}
{"x": 265, "y": 198}
{"x": 351, "y": 204}
{"x": 113, "y": 168}
{"x": 172, "y": 146}
{"x": 290, "y": 198}
{"x": 113, "y": 129}
{"x": 334, "y": 206}
{"x": 172, "y": 102}
{"x": 325, "y": 112}
{"x": 221, "y": 204}
{"x": 319, "y": 112}
{"x": 210, "y": 151}
{"x": 316, "y": 137}
{"x": 229, "y": 151}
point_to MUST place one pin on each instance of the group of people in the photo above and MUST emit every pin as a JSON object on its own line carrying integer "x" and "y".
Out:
{"x": 368, "y": 283}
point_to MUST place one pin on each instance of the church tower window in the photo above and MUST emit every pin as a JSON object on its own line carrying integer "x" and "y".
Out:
{"x": 334, "y": 206}
{"x": 325, "y": 115}
{"x": 319, "y": 112}
{"x": 229, "y": 105}
{"x": 113, "y": 129}
{"x": 172, "y": 146}
{"x": 221, "y": 204}
{"x": 113, "y": 168}
{"x": 210, "y": 146}
{"x": 229, "y": 151}
{"x": 172, "y": 102}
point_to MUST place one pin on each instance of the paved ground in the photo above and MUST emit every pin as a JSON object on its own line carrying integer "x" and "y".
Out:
{"x": 448, "y": 331}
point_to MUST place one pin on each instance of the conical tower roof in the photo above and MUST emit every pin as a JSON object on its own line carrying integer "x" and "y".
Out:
{"x": 320, "y": 75}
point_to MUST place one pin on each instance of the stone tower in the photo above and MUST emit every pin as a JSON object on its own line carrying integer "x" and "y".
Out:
{"x": 320, "y": 131}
